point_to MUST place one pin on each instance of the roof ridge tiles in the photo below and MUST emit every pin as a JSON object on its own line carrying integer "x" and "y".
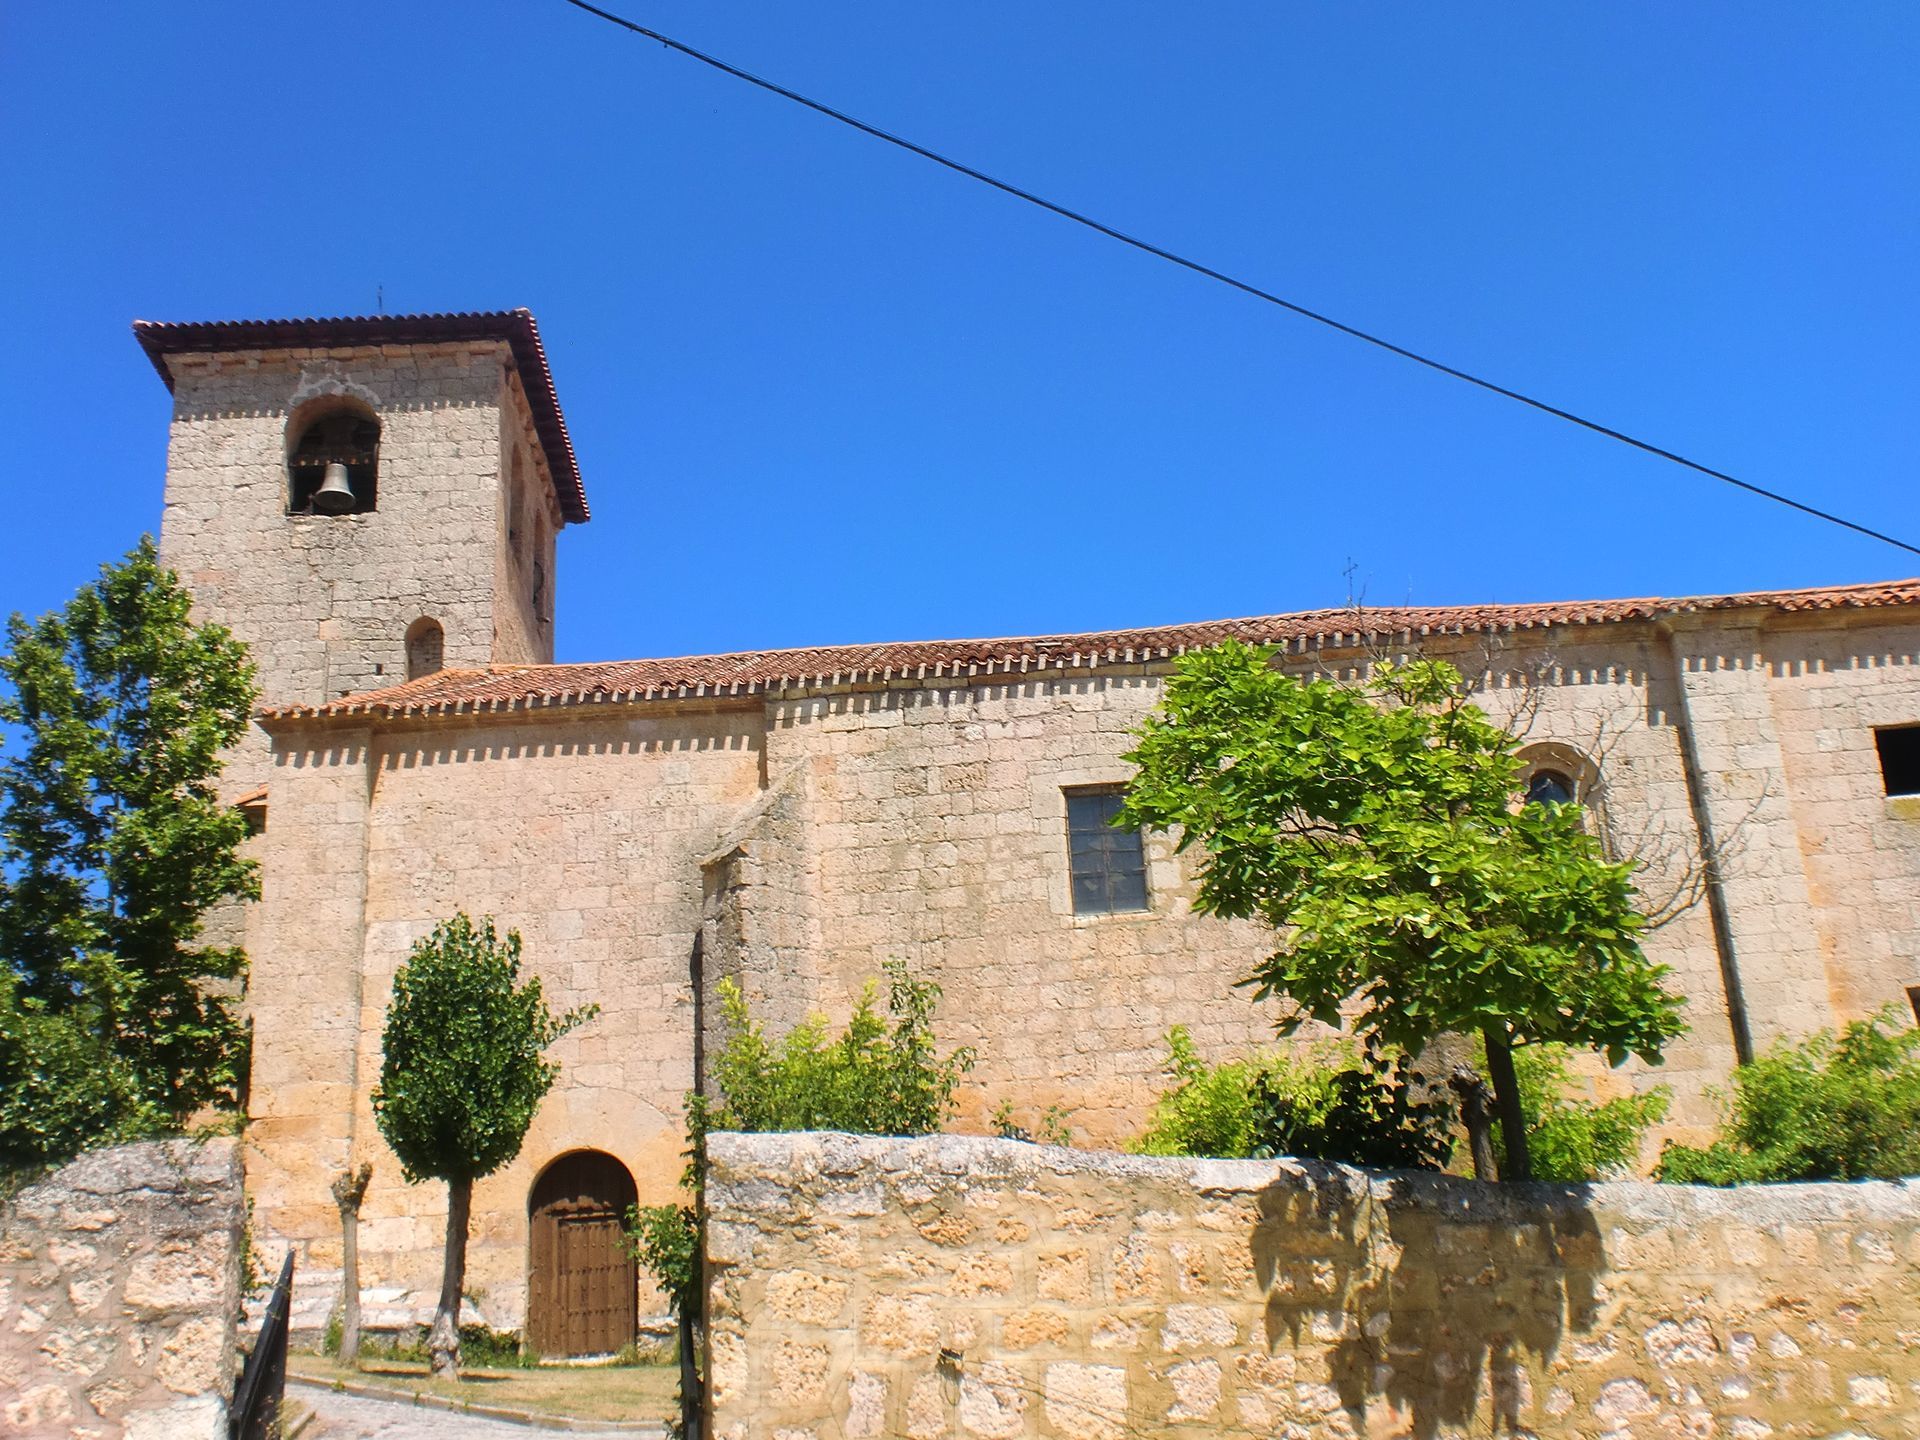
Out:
{"x": 725, "y": 674}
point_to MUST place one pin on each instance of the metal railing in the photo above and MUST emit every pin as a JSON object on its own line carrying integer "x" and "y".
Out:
{"x": 263, "y": 1380}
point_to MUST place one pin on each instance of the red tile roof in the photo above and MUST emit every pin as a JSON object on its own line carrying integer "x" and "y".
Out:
{"x": 218, "y": 337}
{"x": 751, "y": 672}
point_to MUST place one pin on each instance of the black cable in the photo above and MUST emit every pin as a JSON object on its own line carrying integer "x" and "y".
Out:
{"x": 1225, "y": 279}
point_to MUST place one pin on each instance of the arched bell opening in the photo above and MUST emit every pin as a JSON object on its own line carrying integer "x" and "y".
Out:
{"x": 333, "y": 460}
{"x": 583, "y": 1288}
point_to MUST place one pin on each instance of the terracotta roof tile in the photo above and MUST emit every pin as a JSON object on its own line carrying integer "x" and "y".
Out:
{"x": 751, "y": 672}
{"x": 215, "y": 337}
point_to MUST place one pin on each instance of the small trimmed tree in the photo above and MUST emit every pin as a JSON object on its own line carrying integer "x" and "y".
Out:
{"x": 349, "y": 1192}
{"x": 115, "y": 1014}
{"x": 462, "y": 1072}
{"x": 1377, "y": 826}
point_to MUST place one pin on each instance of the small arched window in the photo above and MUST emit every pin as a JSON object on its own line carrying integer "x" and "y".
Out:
{"x": 1550, "y": 787}
{"x": 426, "y": 648}
{"x": 333, "y": 468}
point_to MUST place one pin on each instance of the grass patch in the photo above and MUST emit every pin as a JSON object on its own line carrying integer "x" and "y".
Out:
{"x": 600, "y": 1392}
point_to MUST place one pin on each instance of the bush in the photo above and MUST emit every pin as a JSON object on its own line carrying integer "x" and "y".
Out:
{"x": 1828, "y": 1108}
{"x": 1209, "y": 1109}
{"x": 1379, "y": 1113}
{"x": 1051, "y": 1128}
{"x": 870, "y": 1081}
{"x": 665, "y": 1239}
{"x": 1572, "y": 1139}
{"x": 1276, "y": 1104}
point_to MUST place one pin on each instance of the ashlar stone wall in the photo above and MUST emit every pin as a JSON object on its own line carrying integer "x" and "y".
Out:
{"x": 462, "y": 533}
{"x": 119, "y": 1293}
{"x": 586, "y": 835}
{"x": 935, "y": 831}
{"x": 989, "y": 1290}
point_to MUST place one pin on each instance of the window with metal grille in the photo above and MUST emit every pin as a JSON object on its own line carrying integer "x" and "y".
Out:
{"x": 1108, "y": 865}
{"x": 1899, "y": 759}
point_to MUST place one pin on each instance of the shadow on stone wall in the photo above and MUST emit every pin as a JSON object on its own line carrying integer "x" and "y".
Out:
{"x": 1434, "y": 1291}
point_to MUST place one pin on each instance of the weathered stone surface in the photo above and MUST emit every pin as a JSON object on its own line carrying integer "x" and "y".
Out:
{"x": 1359, "y": 1304}
{"x": 119, "y": 1288}
{"x": 807, "y": 1298}
{"x": 866, "y": 1405}
{"x": 1088, "y": 1402}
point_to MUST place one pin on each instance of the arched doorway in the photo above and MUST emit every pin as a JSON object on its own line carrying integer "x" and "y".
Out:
{"x": 581, "y": 1296}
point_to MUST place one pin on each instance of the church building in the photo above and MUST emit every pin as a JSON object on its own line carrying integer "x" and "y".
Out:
{"x": 373, "y": 505}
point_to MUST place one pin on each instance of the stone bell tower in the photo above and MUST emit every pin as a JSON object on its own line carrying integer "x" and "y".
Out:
{"x": 365, "y": 501}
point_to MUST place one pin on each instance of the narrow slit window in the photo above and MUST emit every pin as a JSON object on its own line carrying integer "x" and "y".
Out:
{"x": 1108, "y": 866}
{"x": 1899, "y": 759}
{"x": 426, "y": 648}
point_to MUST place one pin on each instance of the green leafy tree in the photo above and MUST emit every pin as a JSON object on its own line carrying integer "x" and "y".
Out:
{"x": 1843, "y": 1107}
{"x": 113, "y": 847}
{"x": 462, "y": 1072}
{"x": 1375, "y": 825}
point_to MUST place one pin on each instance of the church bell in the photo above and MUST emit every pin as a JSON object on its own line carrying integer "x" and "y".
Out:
{"x": 335, "y": 496}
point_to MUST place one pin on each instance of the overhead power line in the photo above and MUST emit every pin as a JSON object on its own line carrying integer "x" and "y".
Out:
{"x": 1243, "y": 286}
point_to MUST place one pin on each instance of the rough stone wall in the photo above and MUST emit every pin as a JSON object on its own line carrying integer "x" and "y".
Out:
{"x": 586, "y": 834}
{"x": 325, "y": 601}
{"x": 119, "y": 1292}
{"x": 956, "y": 1287}
{"x": 939, "y": 829}
{"x": 1722, "y": 666}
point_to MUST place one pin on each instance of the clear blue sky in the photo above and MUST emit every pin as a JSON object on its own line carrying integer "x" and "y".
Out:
{"x": 822, "y": 391}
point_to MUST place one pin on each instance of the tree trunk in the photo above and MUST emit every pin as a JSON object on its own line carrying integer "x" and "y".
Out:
{"x": 693, "y": 1334}
{"x": 443, "y": 1342}
{"x": 1506, "y": 1100}
{"x": 1477, "y": 1116}
{"x": 348, "y": 1191}
{"x": 350, "y": 1286}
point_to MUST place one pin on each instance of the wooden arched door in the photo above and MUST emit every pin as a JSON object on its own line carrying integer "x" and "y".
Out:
{"x": 581, "y": 1281}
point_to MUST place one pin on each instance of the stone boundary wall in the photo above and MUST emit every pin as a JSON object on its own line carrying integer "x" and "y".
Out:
{"x": 119, "y": 1292}
{"x": 962, "y": 1287}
